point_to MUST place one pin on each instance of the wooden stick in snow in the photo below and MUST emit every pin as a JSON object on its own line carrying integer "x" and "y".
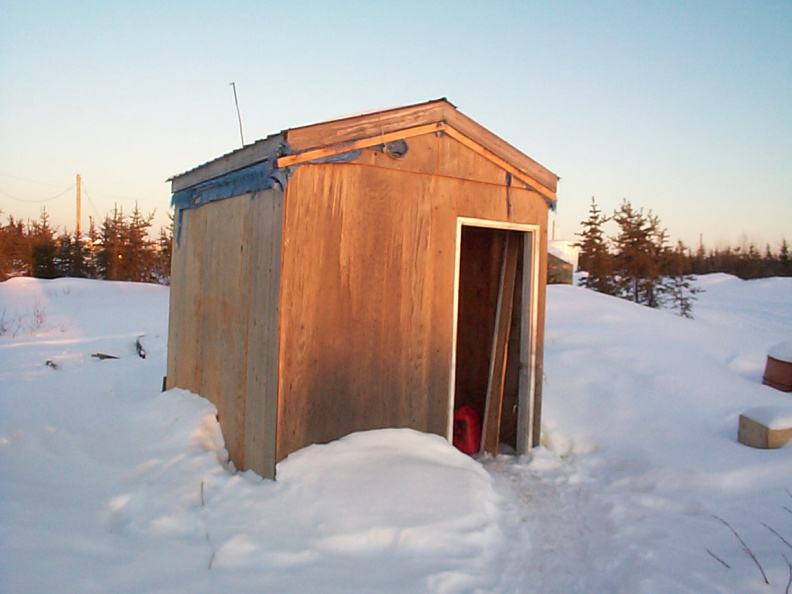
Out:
{"x": 781, "y": 538}
{"x": 714, "y": 556}
{"x": 744, "y": 546}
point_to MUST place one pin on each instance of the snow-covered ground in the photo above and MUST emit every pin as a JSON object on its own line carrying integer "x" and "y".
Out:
{"x": 109, "y": 485}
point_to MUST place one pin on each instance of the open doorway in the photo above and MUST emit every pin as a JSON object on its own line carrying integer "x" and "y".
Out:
{"x": 494, "y": 332}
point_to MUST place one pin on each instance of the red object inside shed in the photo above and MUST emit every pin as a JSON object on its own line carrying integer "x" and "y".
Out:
{"x": 467, "y": 430}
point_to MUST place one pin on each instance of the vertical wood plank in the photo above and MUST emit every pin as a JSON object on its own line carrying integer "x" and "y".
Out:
{"x": 177, "y": 296}
{"x": 500, "y": 342}
{"x": 264, "y": 232}
{"x": 540, "y": 262}
{"x": 526, "y": 398}
{"x": 511, "y": 383}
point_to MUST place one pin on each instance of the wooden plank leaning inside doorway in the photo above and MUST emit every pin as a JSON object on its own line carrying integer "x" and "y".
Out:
{"x": 500, "y": 345}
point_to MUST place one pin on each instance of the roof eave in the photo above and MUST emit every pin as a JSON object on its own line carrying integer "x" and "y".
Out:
{"x": 362, "y": 128}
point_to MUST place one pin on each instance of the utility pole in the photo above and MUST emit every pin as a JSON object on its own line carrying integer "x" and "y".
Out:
{"x": 79, "y": 197}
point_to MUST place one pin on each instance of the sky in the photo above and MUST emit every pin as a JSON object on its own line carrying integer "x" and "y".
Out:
{"x": 682, "y": 108}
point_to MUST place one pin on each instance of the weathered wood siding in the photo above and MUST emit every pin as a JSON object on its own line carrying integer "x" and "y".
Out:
{"x": 223, "y": 329}
{"x": 359, "y": 349}
{"x": 367, "y": 286}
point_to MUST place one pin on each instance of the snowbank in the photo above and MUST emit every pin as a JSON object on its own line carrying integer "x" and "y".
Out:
{"x": 772, "y": 417}
{"x": 110, "y": 485}
{"x": 781, "y": 351}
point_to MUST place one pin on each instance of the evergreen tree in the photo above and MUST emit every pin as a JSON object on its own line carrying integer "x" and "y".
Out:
{"x": 640, "y": 266}
{"x": 109, "y": 252}
{"x": 13, "y": 250}
{"x": 5, "y": 251}
{"x": 595, "y": 258}
{"x": 41, "y": 241}
{"x": 783, "y": 259}
{"x": 164, "y": 250}
{"x": 6, "y": 248}
{"x": 699, "y": 261}
{"x": 70, "y": 259}
{"x": 678, "y": 289}
{"x": 91, "y": 247}
{"x": 636, "y": 261}
{"x": 138, "y": 252}
{"x": 126, "y": 252}
{"x": 750, "y": 266}
{"x": 63, "y": 254}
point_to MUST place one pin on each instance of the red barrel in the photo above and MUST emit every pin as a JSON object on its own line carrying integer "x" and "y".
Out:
{"x": 467, "y": 430}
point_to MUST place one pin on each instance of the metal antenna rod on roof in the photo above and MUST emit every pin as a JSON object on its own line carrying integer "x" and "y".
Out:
{"x": 239, "y": 115}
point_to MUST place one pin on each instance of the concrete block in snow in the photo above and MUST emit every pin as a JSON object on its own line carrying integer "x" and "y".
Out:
{"x": 765, "y": 427}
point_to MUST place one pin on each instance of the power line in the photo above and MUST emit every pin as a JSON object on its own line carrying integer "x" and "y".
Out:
{"x": 104, "y": 194}
{"x": 32, "y": 181}
{"x": 87, "y": 195}
{"x": 7, "y": 195}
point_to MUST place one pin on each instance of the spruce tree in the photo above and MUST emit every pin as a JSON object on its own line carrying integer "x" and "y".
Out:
{"x": 70, "y": 259}
{"x": 6, "y": 249}
{"x": 783, "y": 259}
{"x": 91, "y": 248}
{"x": 109, "y": 252}
{"x": 126, "y": 252}
{"x": 635, "y": 258}
{"x": 5, "y": 252}
{"x": 138, "y": 252}
{"x": 595, "y": 258}
{"x": 164, "y": 250}
{"x": 41, "y": 239}
{"x": 678, "y": 290}
{"x": 646, "y": 270}
{"x": 14, "y": 248}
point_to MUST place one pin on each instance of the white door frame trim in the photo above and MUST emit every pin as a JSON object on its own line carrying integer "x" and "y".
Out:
{"x": 527, "y": 389}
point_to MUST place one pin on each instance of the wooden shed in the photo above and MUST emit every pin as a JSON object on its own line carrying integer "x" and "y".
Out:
{"x": 380, "y": 270}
